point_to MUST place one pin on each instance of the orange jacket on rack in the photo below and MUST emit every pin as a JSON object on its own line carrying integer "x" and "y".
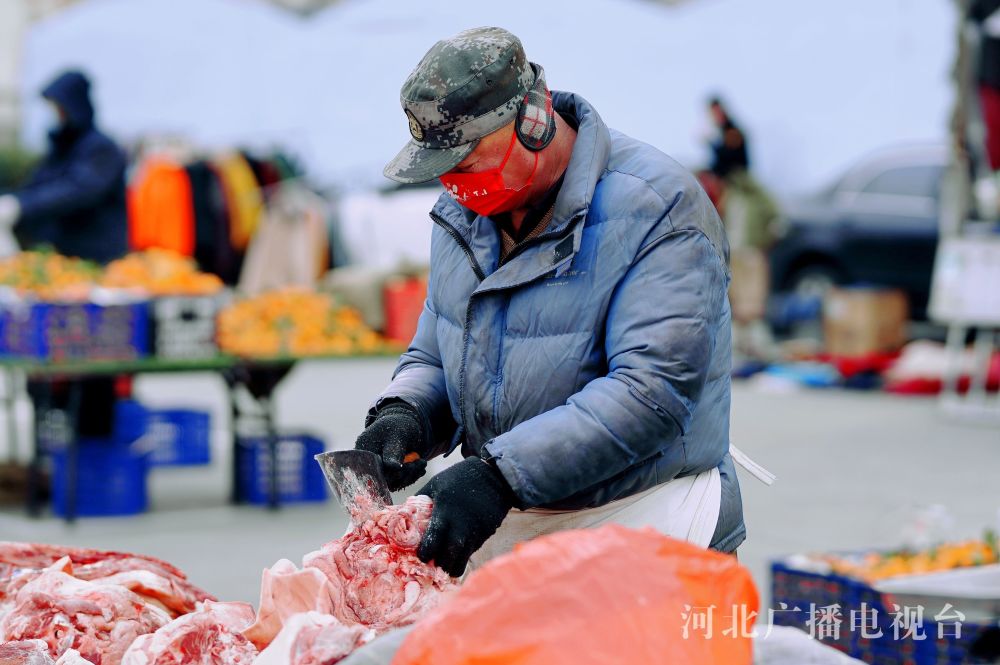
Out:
{"x": 243, "y": 198}
{"x": 160, "y": 207}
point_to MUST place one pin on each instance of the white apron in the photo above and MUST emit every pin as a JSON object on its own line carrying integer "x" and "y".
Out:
{"x": 684, "y": 508}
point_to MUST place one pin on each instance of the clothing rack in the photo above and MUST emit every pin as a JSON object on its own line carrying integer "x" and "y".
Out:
{"x": 204, "y": 204}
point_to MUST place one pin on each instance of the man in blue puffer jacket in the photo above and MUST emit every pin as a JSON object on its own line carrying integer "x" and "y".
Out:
{"x": 576, "y": 339}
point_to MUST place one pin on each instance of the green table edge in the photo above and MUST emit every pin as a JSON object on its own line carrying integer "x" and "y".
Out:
{"x": 41, "y": 368}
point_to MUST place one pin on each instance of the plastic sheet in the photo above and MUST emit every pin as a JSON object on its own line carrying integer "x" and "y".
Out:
{"x": 607, "y": 595}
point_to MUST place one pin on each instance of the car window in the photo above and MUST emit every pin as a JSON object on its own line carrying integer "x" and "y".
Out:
{"x": 907, "y": 181}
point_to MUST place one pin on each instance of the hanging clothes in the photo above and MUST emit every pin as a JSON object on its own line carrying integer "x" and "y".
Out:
{"x": 213, "y": 249}
{"x": 291, "y": 246}
{"x": 161, "y": 208}
{"x": 287, "y": 168}
{"x": 244, "y": 198}
{"x": 264, "y": 170}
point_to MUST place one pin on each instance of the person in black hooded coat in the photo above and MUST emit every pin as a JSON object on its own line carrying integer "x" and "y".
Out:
{"x": 75, "y": 203}
{"x": 75, "y": 200}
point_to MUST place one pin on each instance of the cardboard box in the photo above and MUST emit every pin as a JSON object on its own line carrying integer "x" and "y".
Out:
{"x": 860, "y": 321}
{"x": 749, "y": 286}
{"x": 360, "y": 287}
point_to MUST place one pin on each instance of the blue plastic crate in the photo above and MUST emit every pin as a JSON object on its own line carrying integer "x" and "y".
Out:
{"x": 111, "y": 479}
{"x": 798, "y": 588}
{"x": 948, "y": 649}
{"x": 300, "y": 478}
{"x": 75, "y": 331}
{"x": 174, "y": 437}
{"x": 130, "y": 423}
{"x": 179, "y": 437}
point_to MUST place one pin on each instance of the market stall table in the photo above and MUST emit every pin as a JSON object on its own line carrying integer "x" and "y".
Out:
{"x": 260, "y": 377}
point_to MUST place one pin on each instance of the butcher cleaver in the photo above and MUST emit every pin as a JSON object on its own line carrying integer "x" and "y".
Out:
{"x": 353, "y": 473}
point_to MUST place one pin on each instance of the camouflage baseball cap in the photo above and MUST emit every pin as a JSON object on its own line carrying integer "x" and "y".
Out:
{"x": 466, "y": 87}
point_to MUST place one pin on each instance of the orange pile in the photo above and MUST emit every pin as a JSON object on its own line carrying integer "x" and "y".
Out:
{"x": 294, "y": 322}
{"x": 49, "y": 276}
{"x": 160, "y": 272}
{"x": 879, "y": 566}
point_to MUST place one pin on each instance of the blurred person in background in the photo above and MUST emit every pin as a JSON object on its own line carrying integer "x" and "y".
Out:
{"x": 749, "y": 214}
{"x": 75, "y": 201}
{"x": 986, "y": 13}
{"x": 729, "y": 146}
{"x": 74, "y": 204}
{"x": 575, "y": 340}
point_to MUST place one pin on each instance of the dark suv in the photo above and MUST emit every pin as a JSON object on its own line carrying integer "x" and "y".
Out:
{"x": 877, "y": 225}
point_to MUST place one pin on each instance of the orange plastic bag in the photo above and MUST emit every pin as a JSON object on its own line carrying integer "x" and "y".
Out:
{"x": 607, "y": 595}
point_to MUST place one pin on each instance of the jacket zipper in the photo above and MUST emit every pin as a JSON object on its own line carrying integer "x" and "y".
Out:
{"x": 461, "y": 374}
{"x": 461, "y": 243}
{"x": 468, "y": 312}
{"x": 495, "y": 420}
{"x": 468, "y": 308}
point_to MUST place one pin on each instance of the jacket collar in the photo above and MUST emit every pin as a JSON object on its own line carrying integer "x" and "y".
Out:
{"x": 587, "y": 164}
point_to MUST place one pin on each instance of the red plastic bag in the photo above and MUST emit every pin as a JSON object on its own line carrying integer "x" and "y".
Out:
{"x": 607, "y": 595}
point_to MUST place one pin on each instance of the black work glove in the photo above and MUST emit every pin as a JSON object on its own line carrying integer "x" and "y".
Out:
{"x": 471, "y": 499}
{"x": 393, "y": 435}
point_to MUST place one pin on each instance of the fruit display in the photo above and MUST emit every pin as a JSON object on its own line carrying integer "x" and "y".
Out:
{"x": 874, "y": 566}
{"x": 49, "y": 276}
{"x": 294, "y": 322}
{"x": 160, "y": 272}
{"x": 181, "y": 306}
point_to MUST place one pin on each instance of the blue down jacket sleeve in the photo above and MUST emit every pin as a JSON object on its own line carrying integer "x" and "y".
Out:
{"x": 419, "y": 381}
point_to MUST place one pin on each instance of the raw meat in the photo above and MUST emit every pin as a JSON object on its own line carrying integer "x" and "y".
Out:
{"x": 208, "y": 636}
{"x": 173, "y": 596}
{"x": 165, "y": 592}
{"x": 116, "y": 609}
{"x": 36, "y": 652}
{"x": 312, "y": 638}
{"x": 149, "y": 577}
{"x": 375, "y": 575}
{"x": 7, "y": 571}
{"x": 72, "y": 657}
{"x": 12, "y": 579}
{"x": 100, "y": 621}
{"x": 285, "y": 591}
{"x": 27, "y": 652}
{"x": 37, "y": 555}
{"x": 371, "y": 577}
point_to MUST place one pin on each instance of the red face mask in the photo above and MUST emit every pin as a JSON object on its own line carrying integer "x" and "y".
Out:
{"x": 486, "y": 192}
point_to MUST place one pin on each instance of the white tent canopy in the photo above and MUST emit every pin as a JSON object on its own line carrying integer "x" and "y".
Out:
{"x": 815, "y": 84}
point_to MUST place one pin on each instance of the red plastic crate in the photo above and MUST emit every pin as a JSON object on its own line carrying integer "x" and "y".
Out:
{"x": 403, "y": 301}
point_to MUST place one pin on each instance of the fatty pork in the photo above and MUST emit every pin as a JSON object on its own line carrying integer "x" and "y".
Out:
{"x": 99, "y": 621}
{"x": 209, "y": 636}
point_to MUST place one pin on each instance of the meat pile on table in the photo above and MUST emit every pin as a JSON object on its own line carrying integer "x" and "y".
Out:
{"x": 69, "y": 606}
